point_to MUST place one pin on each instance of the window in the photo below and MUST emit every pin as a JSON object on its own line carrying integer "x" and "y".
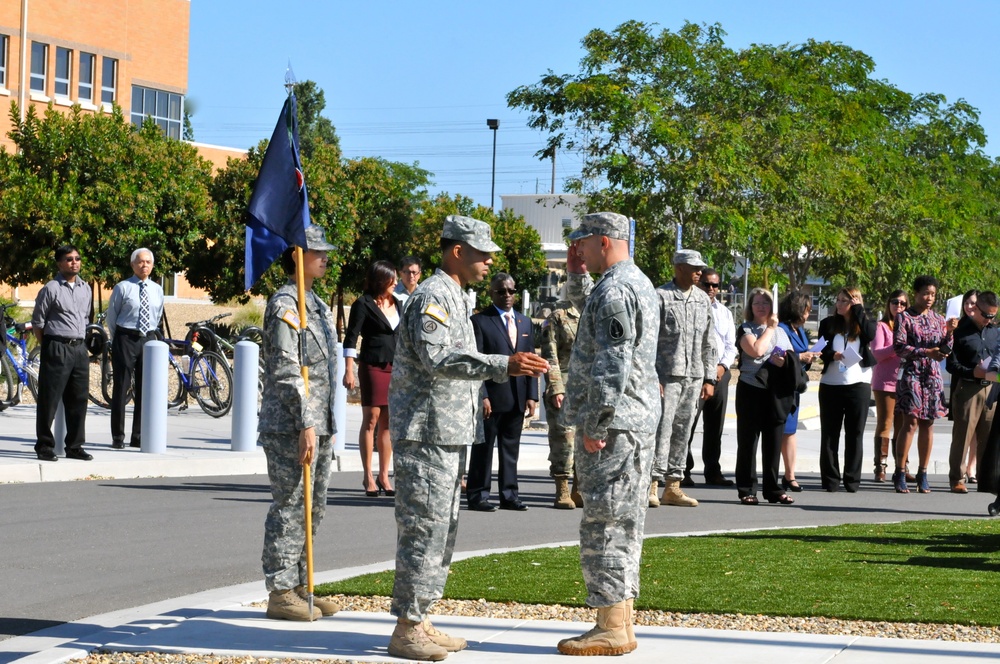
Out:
{"x": 64, "y": 65}
{"x": 3, "y": 61}
{"x": 87, "y": 61}
{"x": 164, "y": 107}
{"x": 39, "y": 66}
{"x": 109, "y": 76}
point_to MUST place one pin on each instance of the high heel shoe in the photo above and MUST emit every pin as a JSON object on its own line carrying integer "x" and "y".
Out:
{"x": 790, "y": 485}
{"x": 922, "y": 485}
{"x": 383, "y": 489}
{"x": 899, "y": 482}
{"x": 783, "y": 499}
{"x": 370, "y": 494}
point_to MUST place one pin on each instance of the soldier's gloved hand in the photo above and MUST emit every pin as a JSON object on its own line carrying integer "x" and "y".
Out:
{"x": 307, "y": 445}
{"x": 526, "y": 364}
{"x": 574, "y": 262}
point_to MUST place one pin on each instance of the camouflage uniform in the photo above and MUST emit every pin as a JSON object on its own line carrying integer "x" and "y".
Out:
{"x": 434, "y": 415}
{"x": 611, "y": 394}
{"x": 284, "y": 412}
{"x": 685, "y": 359}
{"x": 558, "y": 335}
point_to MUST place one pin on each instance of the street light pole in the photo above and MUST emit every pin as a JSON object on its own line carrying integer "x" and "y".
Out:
{"x": 494, "y": 125}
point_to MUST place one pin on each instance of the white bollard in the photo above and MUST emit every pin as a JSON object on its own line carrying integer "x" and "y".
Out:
{"x": 245, "y": 397}
{"x": 340, "y": 405}
{"x": 59, "y": 429}
{"x": 154, "y": 397}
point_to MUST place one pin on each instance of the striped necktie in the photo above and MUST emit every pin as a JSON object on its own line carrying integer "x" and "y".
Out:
{"x": 143, "y": 308}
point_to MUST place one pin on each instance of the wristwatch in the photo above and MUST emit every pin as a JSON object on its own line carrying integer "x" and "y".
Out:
{"x": 710, "y": 381}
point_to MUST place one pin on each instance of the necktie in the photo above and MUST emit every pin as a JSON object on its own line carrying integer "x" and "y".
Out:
{"x": 511, "y": 330}
{"x": 143, "y": 308}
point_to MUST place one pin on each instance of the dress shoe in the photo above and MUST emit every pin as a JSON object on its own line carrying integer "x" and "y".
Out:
{"x": 482, "y": 507}
{"x": 718, "y": 480}
{"x": 79, "y": 454}
{"x": 135, "y": 443}
{"x": 959, "y": 487}
{"x": 47, "y": 456}
{"x": 687, "y": 482}
{"x": 118, "y": 445}
{"x": 515, "y": 507}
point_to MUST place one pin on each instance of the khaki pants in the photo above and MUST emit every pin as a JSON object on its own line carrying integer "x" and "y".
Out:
{"x": 972, "y": 421}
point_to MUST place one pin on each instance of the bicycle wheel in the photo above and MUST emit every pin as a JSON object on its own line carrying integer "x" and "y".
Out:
{"x": 98, "y": 378}
{"x": 7, "y": 377}
{"x": 212, "y": 383}
{"x": 252, "y": 333}
{"x": 34, "y": 361}
{"x": 176, "y": 390}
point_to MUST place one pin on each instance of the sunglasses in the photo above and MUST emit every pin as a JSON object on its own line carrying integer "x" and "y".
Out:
{"x": 986, "y": 315}
{"x": 898, "y": 303}
{"x": 71, "y": 259}
{"x": 709, "y": 284}
{"x": 507, "y": 291}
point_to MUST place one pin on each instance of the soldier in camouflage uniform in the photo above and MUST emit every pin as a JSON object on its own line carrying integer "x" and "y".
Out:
{"x": 685, "y": 365}
{"x": 295, "y": 429}
{"x": 613, "y": 399}
{"x": 434, "y": 415}
{"x": 558, "y": 335}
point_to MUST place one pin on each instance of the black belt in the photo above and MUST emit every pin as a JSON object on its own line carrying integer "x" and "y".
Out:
{"x": 977, "y": 381}
{"x": 63, "y": 340}
{"x": 128, "y": 332}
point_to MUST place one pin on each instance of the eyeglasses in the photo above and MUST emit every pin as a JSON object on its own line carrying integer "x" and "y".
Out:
{"x": 898, "y": 303}
{"x": 411, "y": 272}
{"x": 986, "y": 315}
{"x": 502, "y": 291}
{"x": 71, "y": 259}
{"x": 709, "y": 284}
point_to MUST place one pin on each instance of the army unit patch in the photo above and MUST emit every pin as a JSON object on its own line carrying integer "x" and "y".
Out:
{"x": 430, "y": 326}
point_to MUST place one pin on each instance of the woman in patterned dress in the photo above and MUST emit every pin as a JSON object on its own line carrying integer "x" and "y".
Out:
{"x": 921, "y": 339}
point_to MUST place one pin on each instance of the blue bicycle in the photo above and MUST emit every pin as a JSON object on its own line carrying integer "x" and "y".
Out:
{"x": 18, "y": 365}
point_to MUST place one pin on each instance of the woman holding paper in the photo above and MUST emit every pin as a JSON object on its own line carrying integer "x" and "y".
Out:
{"x": 845, "y": 389}
{"x": 922, "y": 339}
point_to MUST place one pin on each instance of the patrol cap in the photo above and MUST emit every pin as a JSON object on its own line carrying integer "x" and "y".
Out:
{"x": 477, "y": 234}
{"x": 610, "y": 224}
{"x": 316, "y": 239}
{"x": 689, "y": 257}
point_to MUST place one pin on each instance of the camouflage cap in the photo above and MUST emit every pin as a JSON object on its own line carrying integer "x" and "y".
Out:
{"x": 609, "y": 224}
{"x": 477, "y": 234}
{"x": 689, "y": 257}
{"x": 316, "y": 239}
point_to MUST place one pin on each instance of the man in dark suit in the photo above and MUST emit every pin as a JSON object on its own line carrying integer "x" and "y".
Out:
{"x": 501, "y": 331}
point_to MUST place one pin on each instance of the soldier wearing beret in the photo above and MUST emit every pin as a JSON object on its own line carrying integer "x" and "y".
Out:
{"x": 434, "y": 415}
{"x": 613, "y": 400}
{"x": 296, "y": 429}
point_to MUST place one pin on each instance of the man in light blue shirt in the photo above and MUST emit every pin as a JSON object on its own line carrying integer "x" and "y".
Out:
{"x": 134, "y": 311}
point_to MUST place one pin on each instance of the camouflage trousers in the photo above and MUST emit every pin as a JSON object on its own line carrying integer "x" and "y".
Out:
{"x": 561, "y": 441}
{"x": 681, "y": 397}
{"x": 284, "y": 557}
{"x": 427, "y": 499}
{"x": 614, "y": 483}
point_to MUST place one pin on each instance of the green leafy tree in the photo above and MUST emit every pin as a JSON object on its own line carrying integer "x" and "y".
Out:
{"x": 314, "y": 128}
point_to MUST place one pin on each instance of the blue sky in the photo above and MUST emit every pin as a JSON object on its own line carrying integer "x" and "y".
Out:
{"x": 416, "y": 81}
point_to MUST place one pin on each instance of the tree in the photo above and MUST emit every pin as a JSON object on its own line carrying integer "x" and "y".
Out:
{"x": 314, "y": 128}
{"x": 97, "y": 182}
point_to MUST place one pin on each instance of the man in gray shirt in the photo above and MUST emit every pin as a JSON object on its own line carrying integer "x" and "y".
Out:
{"x": 62, "y": 310}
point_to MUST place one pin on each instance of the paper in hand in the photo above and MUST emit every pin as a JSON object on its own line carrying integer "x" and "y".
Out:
{"x": 851, "y": 357}
{"x": 818, "y": 346}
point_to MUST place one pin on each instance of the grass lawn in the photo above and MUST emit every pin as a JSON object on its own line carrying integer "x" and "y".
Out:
{"x": 918, "y": 571}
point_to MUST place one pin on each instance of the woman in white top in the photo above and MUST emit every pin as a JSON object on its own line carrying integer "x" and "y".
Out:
{"x": 845, "y": 389}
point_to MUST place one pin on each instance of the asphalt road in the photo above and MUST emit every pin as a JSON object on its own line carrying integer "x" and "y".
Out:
{"x": 77, "y": 549}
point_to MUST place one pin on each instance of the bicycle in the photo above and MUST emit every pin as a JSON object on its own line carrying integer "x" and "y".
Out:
{"x": 210, "y": 336}
{"x": 98, "y": 344}
{"x": 208, "y": 378}
{"x": 18, "y": 365}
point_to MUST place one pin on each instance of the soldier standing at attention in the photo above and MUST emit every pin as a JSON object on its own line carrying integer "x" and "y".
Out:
{"x": 613, "y": 399}
{"x": 685, "y": 366}
{"x": 295, "y": 429}
{"x": 434, "y": 415}
{"x": 558, "y": 335}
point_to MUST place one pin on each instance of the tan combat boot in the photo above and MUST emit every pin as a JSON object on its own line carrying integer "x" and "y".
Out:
{"x": 449, "y": 643}
{"x": 575, "y": 495}
{"x": 325, "y": 605}
{"x": 672, "y": 495}
{"x": 630, "y": 620}
{"x": 610, "y": 637}
{"x": 653, "y": 500}
{"x": 564, "y": 501}
{"x": 410, "y": 641}
{"x": 287, "y": 605}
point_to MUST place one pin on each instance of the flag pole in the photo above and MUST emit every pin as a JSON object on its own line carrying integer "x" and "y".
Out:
{"x": 307, "y": 462}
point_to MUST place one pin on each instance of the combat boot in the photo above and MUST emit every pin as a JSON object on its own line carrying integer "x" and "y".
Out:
{"x": 410, "y": 641}
{"x": 672, "y": 495}
{"x": 575, "y": 495}
{"x": 630, "y": 619}
{"x": 563, "y": 499}
{"x": 653, "y": 500}
{"x": 287, "y": 605}
{"x": 610, "y": 637}
{"x": 449, "y": 643}
{"x": 325, "y": 605}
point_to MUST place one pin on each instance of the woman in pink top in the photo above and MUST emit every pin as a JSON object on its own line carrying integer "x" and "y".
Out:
{"x": 884, "y": 381}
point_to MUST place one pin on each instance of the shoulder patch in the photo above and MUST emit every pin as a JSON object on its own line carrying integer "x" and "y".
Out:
{"x": 291, "y": 318}
{"x": 436, "y": 312}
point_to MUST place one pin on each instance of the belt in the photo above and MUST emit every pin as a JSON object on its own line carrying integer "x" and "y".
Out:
{"x": 63, "y": 340}
{"x": 128, "y": 332}
{"x": 976, "y": 381}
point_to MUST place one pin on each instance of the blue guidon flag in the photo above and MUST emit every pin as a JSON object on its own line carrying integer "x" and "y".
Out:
{"x": 278, "y": 214}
